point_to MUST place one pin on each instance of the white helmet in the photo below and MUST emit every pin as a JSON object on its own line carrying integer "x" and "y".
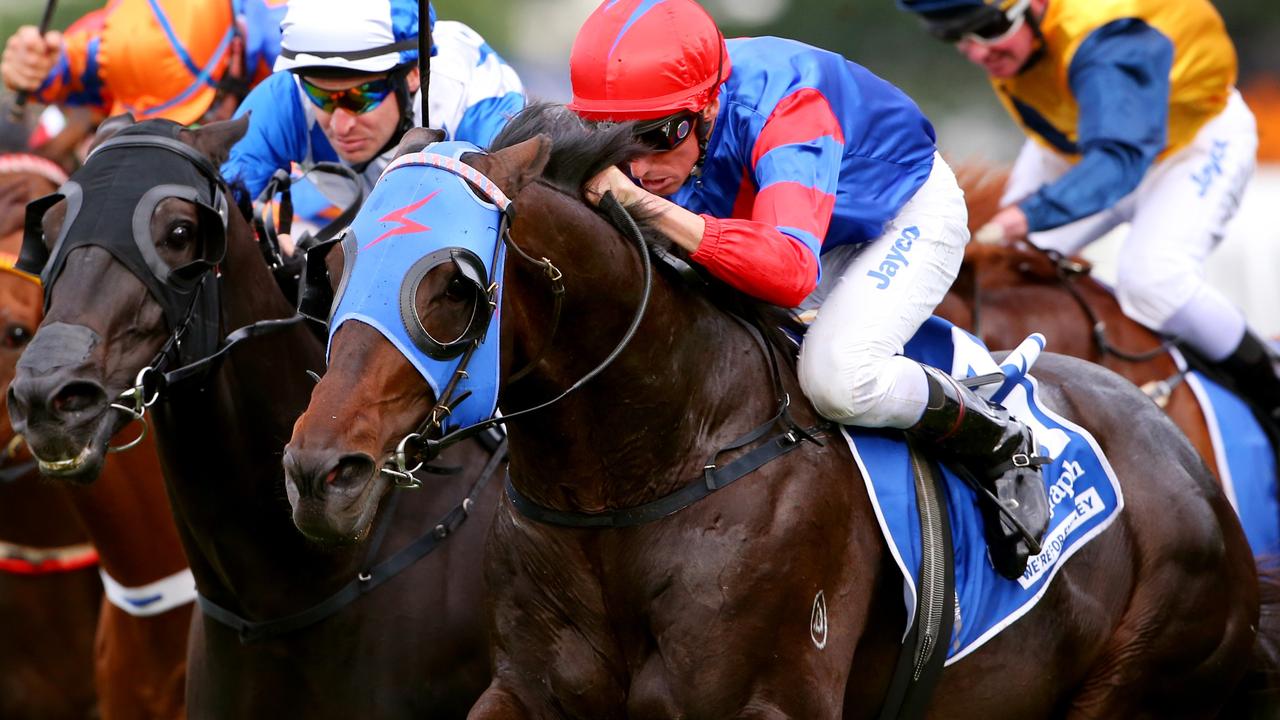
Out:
{"x": 363, "y": 36}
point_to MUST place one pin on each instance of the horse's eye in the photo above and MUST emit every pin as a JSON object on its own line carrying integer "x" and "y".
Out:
{"x": 181, "y": 234}
{"x": 15, "y": 336}
{"x": 459, "y": 289}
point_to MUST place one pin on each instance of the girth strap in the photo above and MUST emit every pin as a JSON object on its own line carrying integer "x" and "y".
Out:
{"x": 924, "y": 649}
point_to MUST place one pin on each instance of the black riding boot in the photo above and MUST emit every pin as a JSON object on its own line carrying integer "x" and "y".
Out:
{"x": 1250, "y": 368}
{"x": 998, "y": 451}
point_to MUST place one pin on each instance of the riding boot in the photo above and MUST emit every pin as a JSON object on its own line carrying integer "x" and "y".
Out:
{"x": 1250, "y": 367}
{"x": 1000, "y": 455}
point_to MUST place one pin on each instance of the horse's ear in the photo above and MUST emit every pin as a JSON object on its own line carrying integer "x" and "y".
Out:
{"x": 416, "y": 139}
{"x": 111, "y": 126}
{"x": 214, "y": 140}
{"x": 514, "y": 167}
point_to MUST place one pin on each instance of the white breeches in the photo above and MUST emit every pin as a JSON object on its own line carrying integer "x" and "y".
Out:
{"x": 1178, "y": 214}
{"x": 873, "y": 298}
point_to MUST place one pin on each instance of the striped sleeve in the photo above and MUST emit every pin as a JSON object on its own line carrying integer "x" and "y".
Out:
{"x": 76, "y": 77}
{"x": 795, "y": 161}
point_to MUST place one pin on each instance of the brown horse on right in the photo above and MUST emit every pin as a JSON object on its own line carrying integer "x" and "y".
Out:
{"x": 1006, "y": 291}
{"x": 705, "y": 613}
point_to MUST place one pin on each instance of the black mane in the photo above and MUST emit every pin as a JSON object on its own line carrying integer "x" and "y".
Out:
{"x": 579, "y": 151}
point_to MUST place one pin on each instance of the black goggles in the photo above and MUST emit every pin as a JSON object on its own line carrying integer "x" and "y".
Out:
{"x": 985, "y": 24}
{"x": 665, "y": 134}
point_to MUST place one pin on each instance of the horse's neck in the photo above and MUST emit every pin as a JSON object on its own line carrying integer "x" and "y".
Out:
{"x": 38, "y": 513}
{"x": 690, "y": 381}
{"x": 222, "y": 445}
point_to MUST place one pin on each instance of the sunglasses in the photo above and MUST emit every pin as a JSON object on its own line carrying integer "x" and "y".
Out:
{"x": 356, "y": 100}
{"x": 666, "y": 134}
{"x": 986, "y": 26}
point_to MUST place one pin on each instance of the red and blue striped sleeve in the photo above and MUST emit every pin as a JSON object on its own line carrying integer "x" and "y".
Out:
{"x": 770, "y": 248}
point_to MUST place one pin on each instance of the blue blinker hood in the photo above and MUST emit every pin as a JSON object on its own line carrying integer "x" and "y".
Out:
{"x": 422, "y": 214}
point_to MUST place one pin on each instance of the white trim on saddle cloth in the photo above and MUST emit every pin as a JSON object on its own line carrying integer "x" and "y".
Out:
{"x": 154, "y": 598}
{"x": 1245, "y": 461}
{"x": 1084, "y": 493}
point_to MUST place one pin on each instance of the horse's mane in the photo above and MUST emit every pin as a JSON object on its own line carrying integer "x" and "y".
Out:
{"x": 579, "y": 151}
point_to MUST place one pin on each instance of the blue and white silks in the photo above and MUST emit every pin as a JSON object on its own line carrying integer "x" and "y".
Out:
{"x": 1084, "y": 494}
{"x": 412, "y": 212}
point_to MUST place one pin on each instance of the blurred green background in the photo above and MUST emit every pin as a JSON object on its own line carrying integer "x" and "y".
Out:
{"x": 535, "y": 36}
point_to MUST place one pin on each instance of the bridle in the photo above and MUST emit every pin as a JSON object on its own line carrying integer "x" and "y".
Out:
{"x": 421, "y": 446}
{"x": 203, "y": 276}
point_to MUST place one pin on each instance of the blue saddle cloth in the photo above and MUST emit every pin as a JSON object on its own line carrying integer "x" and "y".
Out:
{"x": 1083, "y": 491}
{"x": 1246, "y": 462}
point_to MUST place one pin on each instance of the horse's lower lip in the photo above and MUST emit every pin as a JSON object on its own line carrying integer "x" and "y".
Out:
{"x": 69, "y": 465}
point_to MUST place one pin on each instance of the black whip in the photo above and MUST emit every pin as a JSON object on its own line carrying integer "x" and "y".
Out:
{"x": 424, "y": 56}
{"x": 20, "y": 102}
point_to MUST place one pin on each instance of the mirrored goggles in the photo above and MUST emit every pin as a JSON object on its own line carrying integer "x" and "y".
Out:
{"x": 356, "y": 100}
{"x": 987, "y": 25}
{"x": 666, "y": 134}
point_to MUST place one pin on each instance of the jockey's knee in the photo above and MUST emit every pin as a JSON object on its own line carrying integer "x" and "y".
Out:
{"x": 867, "y": 392}
{"x": 1151, "y": 292}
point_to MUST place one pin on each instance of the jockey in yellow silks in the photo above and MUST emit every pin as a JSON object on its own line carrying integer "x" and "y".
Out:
{"x": 1132, "y": 115}
{"x": 185, "y": 60}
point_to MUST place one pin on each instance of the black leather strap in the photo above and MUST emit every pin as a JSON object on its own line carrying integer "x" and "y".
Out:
{"x": 910, "y": 692}
{"x": 202, "y": 366}
{"x": 713, "y": 479}
{"x": 255, "y": 630}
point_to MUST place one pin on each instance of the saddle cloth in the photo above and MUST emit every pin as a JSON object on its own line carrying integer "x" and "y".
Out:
{"x": 1245, "y": 460}
{"x": 1083, "y": 491}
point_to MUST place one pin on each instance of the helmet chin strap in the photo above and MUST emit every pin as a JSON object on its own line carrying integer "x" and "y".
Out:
{"x": 1034, "y": 23}
{"x": 703, "y": 133}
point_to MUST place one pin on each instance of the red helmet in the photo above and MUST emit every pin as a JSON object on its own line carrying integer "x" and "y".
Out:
{"x": 644, "y": 59}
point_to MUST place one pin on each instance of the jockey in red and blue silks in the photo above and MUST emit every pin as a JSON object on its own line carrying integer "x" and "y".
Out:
{"x": 184, "y": 60}
{"x": 772, "y": 159}
{"x": 1131, "y": 115}
{"x": 346, "y": 89}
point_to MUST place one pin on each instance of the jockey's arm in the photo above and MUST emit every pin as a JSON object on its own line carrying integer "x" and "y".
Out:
{"x": 59, "y": 68}
{"x": 277, "y": 135}
{"x": 1120, "y": 79}
{"x": 796, "y": 164}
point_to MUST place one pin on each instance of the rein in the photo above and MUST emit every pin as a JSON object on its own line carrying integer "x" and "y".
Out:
{"x": 251, "y": 631}
{"x": 418, "y": 448}
{"x": 1067, "y": 270}
{"x": 714, "y": 476}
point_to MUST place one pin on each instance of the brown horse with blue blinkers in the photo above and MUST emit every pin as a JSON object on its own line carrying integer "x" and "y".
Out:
{"x": 624, "y": 587}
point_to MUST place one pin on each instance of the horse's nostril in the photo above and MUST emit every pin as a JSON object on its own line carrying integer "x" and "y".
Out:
{"x": 77, "y": 396}
{"x": 350, "y": 470}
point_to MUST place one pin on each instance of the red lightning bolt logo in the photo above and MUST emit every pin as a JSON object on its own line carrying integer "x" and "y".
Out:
{"x": 404, "y": 223}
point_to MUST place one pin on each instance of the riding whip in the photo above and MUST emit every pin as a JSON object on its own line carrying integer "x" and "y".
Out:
{"x": 15, "y": 112}
{"x": 424, "y": 56}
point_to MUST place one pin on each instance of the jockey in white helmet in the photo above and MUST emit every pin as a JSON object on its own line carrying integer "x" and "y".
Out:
{"x": 346, "y": 89}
